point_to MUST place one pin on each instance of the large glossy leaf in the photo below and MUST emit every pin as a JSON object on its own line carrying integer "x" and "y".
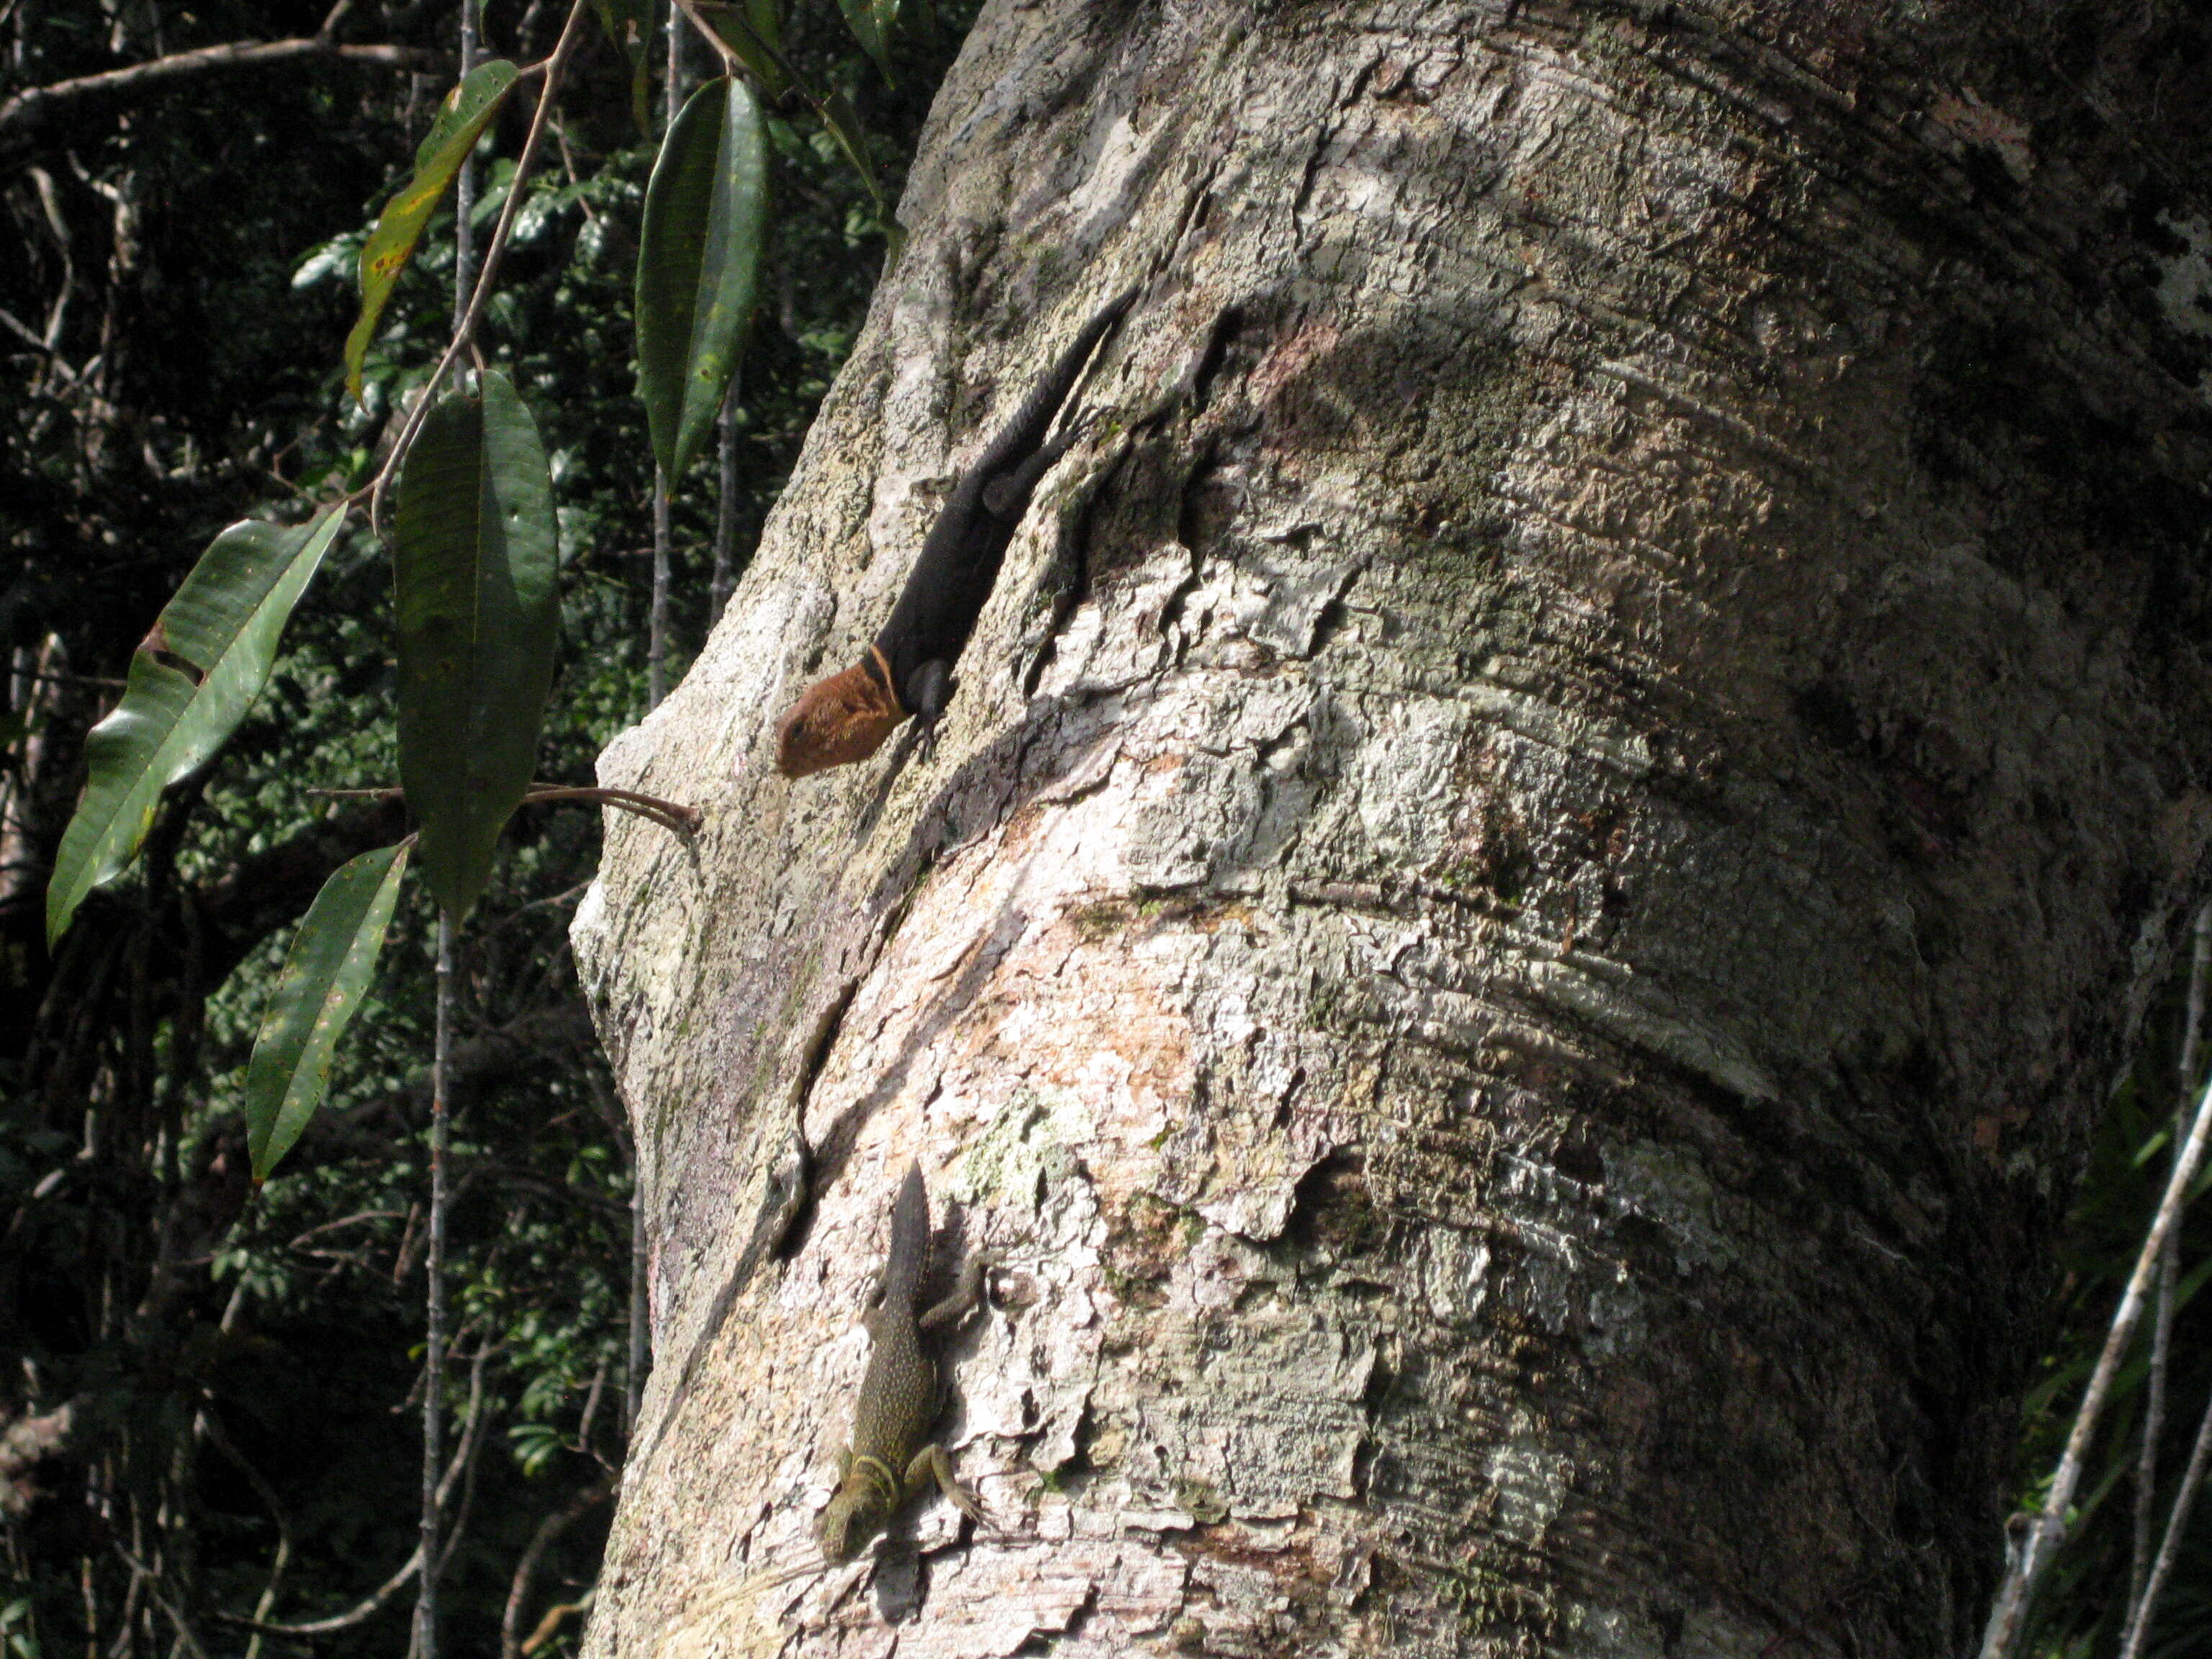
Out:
{"x": 192, "y": 681}
{"x": 706, "y": 212}
{"x": 332, "y": 958}
{"x": 473, "y": 571}
{"x": 629, "y": 24}
{"x": 460, "y": 122}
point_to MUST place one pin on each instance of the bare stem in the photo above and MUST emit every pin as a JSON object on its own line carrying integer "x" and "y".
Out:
{"x": 465, "y": 182}
{"x": 656, "y": 628}
{"x": 434, "y": 1343}
{"x": 526, "y": 1570}
{"x": 2192, "y": 1482}
{"x": 726, "y": 516}
{"x": 2047, "y": 1529}
{"x": 668, "y": 814}
{"x": 495, "y": 250}
{"x": 2169, "y": 1273}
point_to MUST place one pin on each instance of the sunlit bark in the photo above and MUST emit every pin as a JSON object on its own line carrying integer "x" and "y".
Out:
{"x": 1549, "y": 837}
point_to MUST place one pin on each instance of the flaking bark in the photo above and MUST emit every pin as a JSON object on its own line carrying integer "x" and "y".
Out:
{"x": 1551, "y": 835}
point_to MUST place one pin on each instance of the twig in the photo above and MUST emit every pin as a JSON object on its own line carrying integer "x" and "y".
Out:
{"x": 434, "y": 1326}
{"x": 346, "y": 1221}
{"x": 591, "y": 1412}
{"x": 670, "y": 815}
{"x": 220, "y": 1439}
{"x": 2169, "y": 1273}
{"x": 549, "y": 1529}
{"x": 656, "y": 622}
{"x": 142, "y": 1572}
{"x": 35, "y": 106}
{"x": 551, "y": 1622}
{"x": 360, "y": 1614}
{"x": 2047, "y": 1529}
{"x": 472, "y": 1445}
{"x": 2192, "y": 1482}
{"x": 726, "y": 504}
{"x": 667, "y": 814}
{"x": 494, "y": 252}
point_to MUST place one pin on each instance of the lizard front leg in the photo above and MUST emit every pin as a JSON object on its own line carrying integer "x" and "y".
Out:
{"x": 929, "y": 689}
{"x": 932, "y": 1462}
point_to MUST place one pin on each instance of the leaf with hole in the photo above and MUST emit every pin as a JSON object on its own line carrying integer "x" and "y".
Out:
{"x": 192, "y": 681}
{"x": 461, "y": 121}
{"x": 474, "y": 555}
{"x": 329, "y": 967}
{"x": 698, "y": 260}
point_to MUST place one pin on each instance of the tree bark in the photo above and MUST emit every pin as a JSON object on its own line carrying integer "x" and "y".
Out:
{"x": 1553, "y": 831}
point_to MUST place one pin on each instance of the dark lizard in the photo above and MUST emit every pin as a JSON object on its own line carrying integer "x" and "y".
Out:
{"x": 908, "y": 671}
{"x": 898, "y": 1401}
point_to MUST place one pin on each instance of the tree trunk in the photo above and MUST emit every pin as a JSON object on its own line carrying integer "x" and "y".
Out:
{"x": 1553, "y": 831}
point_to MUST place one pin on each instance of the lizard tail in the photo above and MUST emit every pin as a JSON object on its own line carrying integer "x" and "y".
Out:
{"x": 909, "y": 1251}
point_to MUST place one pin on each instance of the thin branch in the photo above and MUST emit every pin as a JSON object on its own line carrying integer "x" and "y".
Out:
{"x": 354, "y": 1220}
{"x": 35, "y": 106}
{"x": 143, "y": 1573}
{"x": 359, "y": 1613}
{"x": 2169, "y": 1273}
{"x": 472, "y": 1415}
{"x": 549, "y": 1529}
{"x": 725, "y": 501}
{"x": 667, "y": 814}
{"x": 433, "y": 1335}
{"x": 2047, "y": 1529}
{"x": 220, "y": 1439}
{"x": 472, "y": 1442}
{"x": 670, "y": 815}
{"x": 488, "y": 273}
{"x": 550, "y": 1623}
{"x": 656, "y": 625}
{"x": 2192, "y": 1482}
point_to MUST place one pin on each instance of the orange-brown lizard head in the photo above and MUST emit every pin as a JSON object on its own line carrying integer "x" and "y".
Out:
{"x": 838, "y": 720}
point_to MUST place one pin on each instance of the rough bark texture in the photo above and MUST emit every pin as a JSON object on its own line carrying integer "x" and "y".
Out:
{"x": 1551, "y": 835}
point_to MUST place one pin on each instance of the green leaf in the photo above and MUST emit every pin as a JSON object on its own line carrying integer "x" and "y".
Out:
{"x": 752, "y": 32}
{"x": 845, "y": 131}
{"x": 473, "y": 569}
{"x": 460, "y": 122}
{"x": 706, "y": 216}
{"x": 332, "y": 957}
{"x": 629, "y": 24}
{"x": 871, "y": 22}
{"x": 192, "y": 681}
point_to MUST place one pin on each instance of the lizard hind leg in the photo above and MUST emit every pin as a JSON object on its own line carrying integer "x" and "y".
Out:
{"x": 962, "y": 1300}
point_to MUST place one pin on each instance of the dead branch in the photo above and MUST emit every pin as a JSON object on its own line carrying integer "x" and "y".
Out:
{"x": 32, "y": 107}
{"x": 518, "y": 1592}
